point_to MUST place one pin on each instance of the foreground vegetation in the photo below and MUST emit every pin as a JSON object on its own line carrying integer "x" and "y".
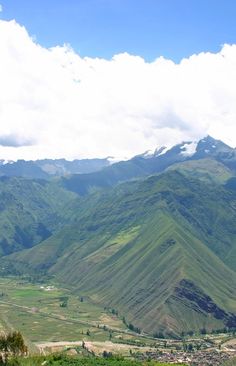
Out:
{"x": 231, "y": 362}
{"x": 64, "y": 360}
{"x": 14, "y": 352}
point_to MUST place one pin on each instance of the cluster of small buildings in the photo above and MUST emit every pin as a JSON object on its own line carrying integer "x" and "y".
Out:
{"x": 47, "y": 288}
{"x": 198, "y": 358}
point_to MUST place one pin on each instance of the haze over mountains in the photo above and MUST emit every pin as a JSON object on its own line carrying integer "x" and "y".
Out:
{"x": 153, "y": 237}
{"x": 48, "y": 168}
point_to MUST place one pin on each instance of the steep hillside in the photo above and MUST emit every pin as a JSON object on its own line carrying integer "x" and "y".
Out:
{"x": 207, "y": 170}
{"x": 29, "y": 211}
{"x": 157, "y": 250}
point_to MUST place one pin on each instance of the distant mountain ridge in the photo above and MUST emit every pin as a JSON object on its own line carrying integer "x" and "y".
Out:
{"x": 151, "y": 163}
{"x": 208, "y": 146}
{"x": 47, "y": 168}
{"x": 89, "y": 174}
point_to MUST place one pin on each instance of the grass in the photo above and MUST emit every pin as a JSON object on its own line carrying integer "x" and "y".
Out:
{"x": 231, "y": 362}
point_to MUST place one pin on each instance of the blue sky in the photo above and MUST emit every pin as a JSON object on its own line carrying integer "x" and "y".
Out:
{"x": 149, "y": 28}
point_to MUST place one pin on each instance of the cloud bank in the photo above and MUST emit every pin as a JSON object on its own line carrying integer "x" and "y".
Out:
{"x": 53, "y": 103}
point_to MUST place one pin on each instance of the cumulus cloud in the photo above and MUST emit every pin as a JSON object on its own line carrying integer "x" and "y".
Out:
{"x": 53, "y": 103}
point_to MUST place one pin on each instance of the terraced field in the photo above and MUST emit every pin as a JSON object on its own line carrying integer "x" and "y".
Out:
{"x": 46, "y": 314}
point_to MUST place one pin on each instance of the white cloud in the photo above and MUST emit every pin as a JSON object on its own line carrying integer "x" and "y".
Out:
{"x": 53, "y": 103}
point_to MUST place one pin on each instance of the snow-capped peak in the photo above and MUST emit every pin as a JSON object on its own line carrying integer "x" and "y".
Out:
{"x": 187, "y": 149}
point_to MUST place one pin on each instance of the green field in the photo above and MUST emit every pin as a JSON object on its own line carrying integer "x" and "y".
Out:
{"x": 56, "y": 315}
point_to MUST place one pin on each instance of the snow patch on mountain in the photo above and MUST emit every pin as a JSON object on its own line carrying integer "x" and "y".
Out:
{"x": 4, "y": 162}
{"x": 113, "y": 159}
{"x": 189, "y": 148}
{"x": 148, "y": 154}
{"x": 162, "y": 150}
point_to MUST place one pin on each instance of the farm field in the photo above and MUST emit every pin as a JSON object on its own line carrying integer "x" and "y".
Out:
{"x": 50, "y": 317}
{"x": 53, "y": 319}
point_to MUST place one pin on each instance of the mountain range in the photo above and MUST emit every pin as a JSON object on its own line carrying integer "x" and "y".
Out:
{"x": 153, "y": 237}
{"x": 148, "y": 164}
{"x": 47, "y": 168}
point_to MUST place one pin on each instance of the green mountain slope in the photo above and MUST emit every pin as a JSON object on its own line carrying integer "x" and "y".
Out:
{"x": 207, "y": 170}
{"x": 29, "y": 212}
{"x": 157, "y": 250}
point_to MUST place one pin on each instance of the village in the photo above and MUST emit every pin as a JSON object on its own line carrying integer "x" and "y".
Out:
{"x": 198, "y": 358}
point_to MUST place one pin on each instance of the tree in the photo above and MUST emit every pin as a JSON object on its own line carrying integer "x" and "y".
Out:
{"x": 203, "y": 331}
{"x": 16, "y": 344}
{"x": 190, "y": 347}
{"x": 88, "y": 332}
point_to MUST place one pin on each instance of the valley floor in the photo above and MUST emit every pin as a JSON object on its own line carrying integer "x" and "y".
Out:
{"x": 52, "y": 319}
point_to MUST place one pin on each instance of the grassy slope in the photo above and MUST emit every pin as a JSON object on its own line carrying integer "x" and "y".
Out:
{"x": 29, "y": 210}
{"x": 147, "y": 248}
{"x": 207, "y": 170}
